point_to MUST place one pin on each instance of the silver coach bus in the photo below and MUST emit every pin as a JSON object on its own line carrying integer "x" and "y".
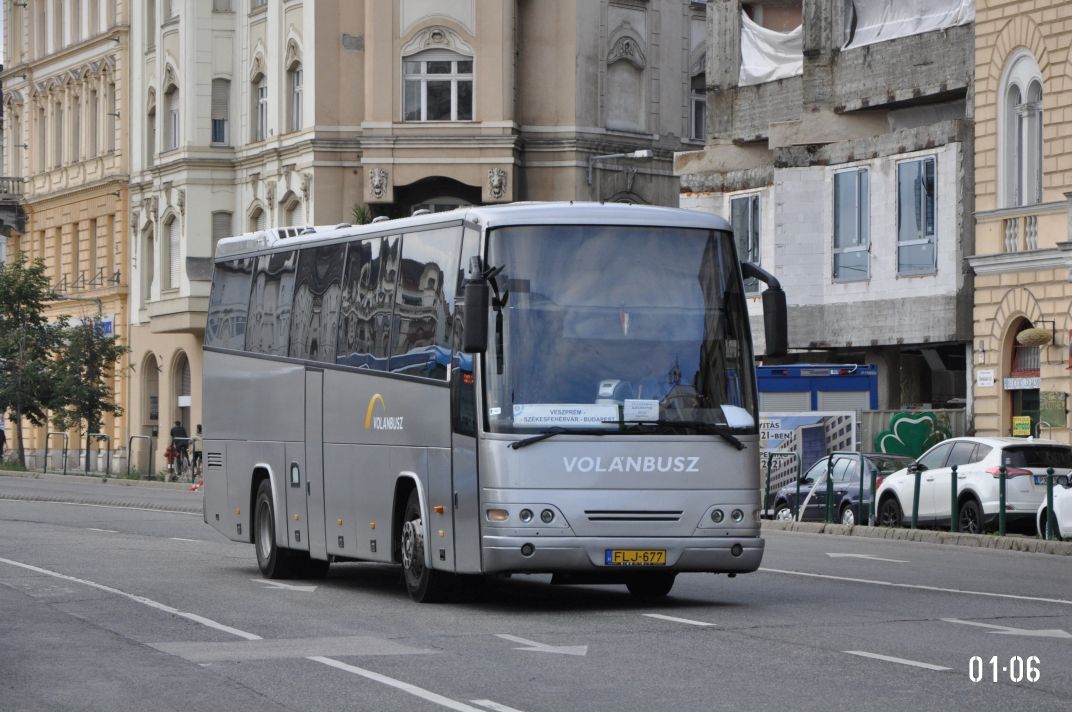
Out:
{"x": 542, "y": 388}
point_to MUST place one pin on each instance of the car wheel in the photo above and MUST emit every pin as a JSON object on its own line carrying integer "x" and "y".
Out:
{"x": 848, "y": 515}
{"x": 274, "y": 561}
{"x": 423, "y": 584}
{"x": 782, "y": 512}
{"x": 1042, "y": 527}
{"x": 889, "y": 513}
{"x": 970, "y": 518}
{"x": 655, "y": 585}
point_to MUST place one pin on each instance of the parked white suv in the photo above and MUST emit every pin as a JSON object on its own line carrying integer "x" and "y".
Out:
{"x": 978, "y": 461}
{"x": 1062, "y": 507}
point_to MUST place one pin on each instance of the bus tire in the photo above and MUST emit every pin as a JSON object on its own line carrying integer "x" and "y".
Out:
{"x": 653, "y": 585}
{"x": 423, "y": 584}
{"x": 274, "y": 561}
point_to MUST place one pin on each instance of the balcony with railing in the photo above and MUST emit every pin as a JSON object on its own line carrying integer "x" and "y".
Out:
{"x": 12, "y": 215}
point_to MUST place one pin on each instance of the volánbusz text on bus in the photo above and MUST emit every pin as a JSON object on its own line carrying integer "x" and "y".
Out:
{"x": 558, "y": 388}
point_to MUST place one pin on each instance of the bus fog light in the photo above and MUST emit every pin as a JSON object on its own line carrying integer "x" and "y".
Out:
{"x": 525, "y": 515}
{"x": 736, "y": 549}
{"x": 498, "y": 515}
{"x": 738, "y": 516}
{"x": 547, "y": 516}
{"x": 527, "y": 550}
{"x": 717, "y": 516}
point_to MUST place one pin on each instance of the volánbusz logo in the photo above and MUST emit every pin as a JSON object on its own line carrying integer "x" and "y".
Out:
{"x": 632, "y": 464}
{"x": 381, "y": 422}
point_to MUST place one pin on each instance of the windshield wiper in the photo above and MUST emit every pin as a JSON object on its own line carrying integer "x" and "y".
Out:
{"x": 674, "y": 425}
{"x": 557, "y": 430}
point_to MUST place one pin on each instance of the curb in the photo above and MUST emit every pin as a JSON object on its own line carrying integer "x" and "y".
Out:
{"x": 930, "y": 536}
{"x": 104, "y": 500}
{"x": 95, "y": 479}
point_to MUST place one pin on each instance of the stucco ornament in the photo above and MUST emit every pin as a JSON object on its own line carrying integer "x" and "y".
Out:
{"x": 497, "y": 183}
{"x": 378, "y": 182}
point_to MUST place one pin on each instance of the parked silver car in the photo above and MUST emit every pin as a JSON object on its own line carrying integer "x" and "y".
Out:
{"x": 978, "y": 460}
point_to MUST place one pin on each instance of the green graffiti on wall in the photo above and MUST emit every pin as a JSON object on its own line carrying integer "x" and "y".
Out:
{"x": 911, "y": 434}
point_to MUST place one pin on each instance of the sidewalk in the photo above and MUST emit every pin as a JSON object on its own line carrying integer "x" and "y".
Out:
{"x": 931, "y": 536}
{"x": 111, "y": 492}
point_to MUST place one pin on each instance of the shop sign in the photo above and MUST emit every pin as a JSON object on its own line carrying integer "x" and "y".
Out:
{"x": 984, "y": 378}
{"x": 1022, "y": 384}
{"x": 1052, "y": 409}
{"x": 1021, "y": 426}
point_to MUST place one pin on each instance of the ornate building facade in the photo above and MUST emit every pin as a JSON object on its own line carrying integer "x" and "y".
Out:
{"x": 65, "y": 79}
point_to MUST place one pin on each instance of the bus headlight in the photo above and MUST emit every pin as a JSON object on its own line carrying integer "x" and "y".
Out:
{"x": 547, "y": 516}
{"x": 525, "y": 515}
{"x": 738, "y": 516}
{"x": 717, "y": 516}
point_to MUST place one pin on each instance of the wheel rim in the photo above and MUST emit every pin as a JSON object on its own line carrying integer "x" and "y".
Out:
{"x": 889, "y": 515}
{"x": 969, "y": 520}
{"x": 264, "y": 530}
{"x": 413, "y": 547}
{"x": 848, "y": 518}
{"x": 784, "y": 514}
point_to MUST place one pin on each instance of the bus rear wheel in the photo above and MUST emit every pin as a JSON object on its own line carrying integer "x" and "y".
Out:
{"x": 652, "y": 585}
{"x": 423, "y": 584}
{"x": 274, "y": 561}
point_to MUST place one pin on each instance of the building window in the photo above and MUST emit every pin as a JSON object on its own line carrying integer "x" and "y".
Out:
{"x": 57, "y": 119}
{"x": 42, "y": 132}
{"x": 698, "y": 108}
{"x": 744, "y": 214}
{"x": 76, "y": 129}
{"x": 1020, "y": 120}
{"x": 257, "y": 4}
{"x": 221, "y": 5}
{"x": 94, "y": 123}
{"x": 174, "y": 233}
{"x": 113, "y": 114}
{"x": 915, "y": 217}
{"x": 150, "y": 137}
{"x": 295, "y": 79}
{"x": 438, "y": 87}
{"x": 258, "y": 220}
{"x": 852, "y": 225}
{"x": 221, "y": 228}
{"x": 171, "y": 9}
{"x": 171, "y": 115}
{"x": 150, "y": 25}
{"x": 260, "y": 107}
{"x": 221, "y": 110}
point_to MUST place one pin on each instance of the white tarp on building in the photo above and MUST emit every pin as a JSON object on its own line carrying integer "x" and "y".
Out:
{"x": 881, "y": 20}
{"x": 767, "y": 55}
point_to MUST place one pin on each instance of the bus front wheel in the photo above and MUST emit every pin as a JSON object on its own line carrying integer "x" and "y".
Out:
{"x": 423, "y": 584}
{"x": 274, "y": 561}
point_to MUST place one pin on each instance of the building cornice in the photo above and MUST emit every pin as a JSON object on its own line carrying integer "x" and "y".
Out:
{"x": 1052, "y": 258}
{"x": 1020, "y": 211}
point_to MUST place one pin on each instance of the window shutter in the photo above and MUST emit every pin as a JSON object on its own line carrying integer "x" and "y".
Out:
{"x": 173, "y": 252}
{"x": 262, "y": 220}
{"x": 221, "y": 94}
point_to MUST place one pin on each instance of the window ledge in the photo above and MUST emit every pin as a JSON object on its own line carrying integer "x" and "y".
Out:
{"x": 261, "y": 10}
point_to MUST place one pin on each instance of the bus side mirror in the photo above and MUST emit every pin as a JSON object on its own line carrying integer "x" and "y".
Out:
{"x": 775, "y": 322}
{"x": 475, "y": 317}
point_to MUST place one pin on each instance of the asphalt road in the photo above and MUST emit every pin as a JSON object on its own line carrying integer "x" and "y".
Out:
{"x": 122, "y": 598}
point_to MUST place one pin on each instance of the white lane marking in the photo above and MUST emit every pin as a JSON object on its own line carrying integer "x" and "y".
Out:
{"x": 106, "y": 531}
{"x": 209, "y": 623}
{"x": 672, "y": 619}
{"x": 534, "y": 647}
{"x": 866, "y": 556}
{"x": 1008, "y": 630}
{"x": 494, "y": 706}
{"x": 398, "y": 685}
{"x": 179, "y": 538}
{"x": 900, "y": 661}
{"x": 920, "y": 587}
{"x": 285, "y": 586}
{"x": 100, "y": 506}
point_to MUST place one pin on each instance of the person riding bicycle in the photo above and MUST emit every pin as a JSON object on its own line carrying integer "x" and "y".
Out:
{"x": 180, "y": 441}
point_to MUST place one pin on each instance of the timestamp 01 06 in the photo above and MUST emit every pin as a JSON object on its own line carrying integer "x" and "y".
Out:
{"x": 1015, "y": 669}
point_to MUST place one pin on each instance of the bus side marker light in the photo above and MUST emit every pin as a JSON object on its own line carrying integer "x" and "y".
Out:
{"x": 338, "y": 522}
{"x": 372, "y": 525}
{"x": 237, "y": 511}
{"x": 438, "y": 509}
{"x": 441, "y": 533}
{"x": 297, "y": 517}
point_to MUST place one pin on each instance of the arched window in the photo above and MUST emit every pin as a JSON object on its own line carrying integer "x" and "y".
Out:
{"x": 1020, "y": 122}
{"x": 260, "y": 108}
{"x": 148, "y": 266}
{"x": 438, "y": 86}
{"x": 173, "y": 230}
{"x": 295, "y": 87}
{"x": 182, "y": 387}
{"x": 258, "y": 219}
{"x": 171, "y": 116}
{"x": 150, "y": 132}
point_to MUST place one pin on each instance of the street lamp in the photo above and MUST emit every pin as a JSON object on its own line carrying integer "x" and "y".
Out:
{"x": 640, "y": 155}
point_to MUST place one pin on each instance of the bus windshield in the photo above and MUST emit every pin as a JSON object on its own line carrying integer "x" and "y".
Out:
{"x": 617, "y": 328}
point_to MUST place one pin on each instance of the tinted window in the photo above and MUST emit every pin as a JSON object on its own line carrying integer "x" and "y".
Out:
{"x": 936, "y": 457}
{"x": 817, "y": 471}
{"x": 1037, "y": 456}
{"x": 368, "y": 290}
{"x": 424, "y": 300}
{"x": 317, "y": 294}
{"x": 889, "y": 465}
{"x": 268, "y": 331}
{"x": 228, "y": 305}
{"x": 981, "y": 451}
{"x": 842, "y": 467}
{"x": 962, "y": 454}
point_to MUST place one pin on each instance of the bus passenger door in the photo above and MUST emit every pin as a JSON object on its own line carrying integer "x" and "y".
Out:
{"x": 465, "y": 483}
{"x": 314, "y": 462}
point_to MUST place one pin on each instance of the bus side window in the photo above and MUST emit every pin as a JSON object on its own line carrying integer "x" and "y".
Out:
{"x": 268, "y": 327}
{"x": 462, "y": 382}
{"x": 229, "y": 304}
{"x": 317, "y": 292}
{"x": 368, "y": 291}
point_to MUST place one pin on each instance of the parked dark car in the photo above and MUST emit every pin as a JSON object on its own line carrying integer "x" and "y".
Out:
{"x": 846, "y": 476}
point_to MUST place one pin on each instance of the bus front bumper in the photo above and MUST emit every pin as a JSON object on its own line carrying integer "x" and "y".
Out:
{"x": 510, "y": 554}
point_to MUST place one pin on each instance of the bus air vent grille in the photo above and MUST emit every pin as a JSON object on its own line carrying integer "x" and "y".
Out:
{"x": 214, "y": 460}
{"x": 633, "y": 515}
